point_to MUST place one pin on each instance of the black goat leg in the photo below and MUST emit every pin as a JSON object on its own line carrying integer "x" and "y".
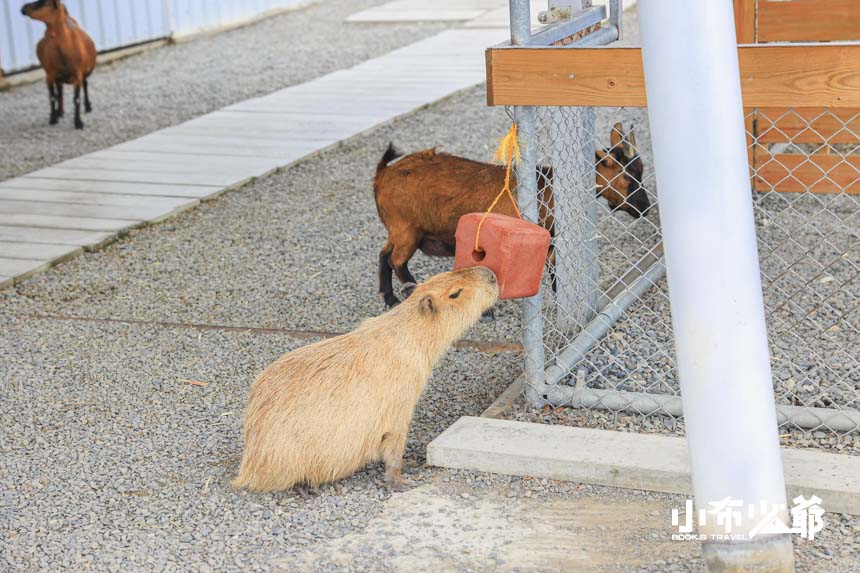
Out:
{"x": 52, "y": 95}
{"x": 78, "y": 123}
{"x": 87, "y": 107}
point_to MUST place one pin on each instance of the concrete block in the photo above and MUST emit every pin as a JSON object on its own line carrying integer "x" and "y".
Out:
{"x": 636, "y": 461}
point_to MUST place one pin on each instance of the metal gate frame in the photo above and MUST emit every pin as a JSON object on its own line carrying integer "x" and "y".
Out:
{"x": 541, "y": 381}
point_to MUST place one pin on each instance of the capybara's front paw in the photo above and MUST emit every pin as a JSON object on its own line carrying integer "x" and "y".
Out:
{"x": 488, "y": 316}
{"x": 399, "y": 486}
{"x": 304, "y": 491}
{"x": 395, "y": 480}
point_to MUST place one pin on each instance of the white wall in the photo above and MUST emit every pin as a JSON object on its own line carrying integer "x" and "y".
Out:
{"x": 117, "y": 23}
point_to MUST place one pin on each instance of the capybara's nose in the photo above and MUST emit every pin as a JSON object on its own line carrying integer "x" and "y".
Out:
{"x": 486, "y": 274}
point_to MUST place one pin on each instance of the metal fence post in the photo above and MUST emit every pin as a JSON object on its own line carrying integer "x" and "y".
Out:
{"x": 527, "y": 198}
{"x": 575, "y": 213}
{"x": 694, "y": 102}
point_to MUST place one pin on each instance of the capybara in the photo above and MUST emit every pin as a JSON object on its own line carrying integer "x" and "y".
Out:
{"x": 421, "y": 197}
{"x": 324, "y": 411}
{"x": 67, "y": 54}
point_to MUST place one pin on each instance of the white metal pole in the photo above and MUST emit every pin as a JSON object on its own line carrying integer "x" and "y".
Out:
{"x": 697, "y": 129}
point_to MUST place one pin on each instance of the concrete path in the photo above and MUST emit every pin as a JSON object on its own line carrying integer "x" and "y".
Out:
{"x": 52, "y": 214}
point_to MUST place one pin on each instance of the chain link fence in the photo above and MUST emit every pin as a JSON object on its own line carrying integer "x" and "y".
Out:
{"x": 605, "y": 319}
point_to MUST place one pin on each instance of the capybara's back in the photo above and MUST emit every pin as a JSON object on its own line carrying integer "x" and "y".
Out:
{"x": 322, "y": 412}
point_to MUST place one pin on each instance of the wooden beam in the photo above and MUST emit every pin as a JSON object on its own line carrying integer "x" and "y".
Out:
{"x": 789, "y": 173}
{"x": 808, "y": 21}
{"x": 808, "y": 125}
{"x": 800, "y": 75}
{"x": 745, "y": 21}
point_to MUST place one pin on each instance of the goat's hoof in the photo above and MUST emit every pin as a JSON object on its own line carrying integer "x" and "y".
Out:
{"x": 390, "y": 300}
{"x": 60, "y": 113}
{"x": 88, "y": 108}
{"x": 407, "y": 289}
{"x": 79, "y": 124}
{"x": 54, "y": 119}
{"x": 488, "y": 316}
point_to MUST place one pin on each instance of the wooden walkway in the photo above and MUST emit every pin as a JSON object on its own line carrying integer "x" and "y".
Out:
{"x": 82, "y": 204}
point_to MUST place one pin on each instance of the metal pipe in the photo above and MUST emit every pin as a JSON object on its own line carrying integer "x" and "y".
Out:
{"x": 549, "y": 34}
{"x": 600, "y": 37}
{"x": 528, "y": 202}
{"x": 521, "y": 30}
{"x": 692, "y": 81}
{"x": 577, "y": 270}
{"x": 616, "y": 17}
{"x": 646, "y": 404}
{"x": 600, "y": 325}
{"x": 643, "y": 264}
{"x": 526, "y": 170}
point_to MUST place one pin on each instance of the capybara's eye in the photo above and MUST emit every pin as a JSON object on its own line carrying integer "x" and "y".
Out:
{"x": 456, "y": 294}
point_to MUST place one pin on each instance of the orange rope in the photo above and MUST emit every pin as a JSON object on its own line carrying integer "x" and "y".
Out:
{"x": 508, "y": 151}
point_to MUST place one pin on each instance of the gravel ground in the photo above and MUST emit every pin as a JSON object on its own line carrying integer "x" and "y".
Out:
{"x": 169, "y": 85}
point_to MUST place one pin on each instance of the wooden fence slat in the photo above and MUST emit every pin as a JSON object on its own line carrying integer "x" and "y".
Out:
{"x": 808, "y": 125}
{"x": 791, "y": 173}
{"x": 801, "y": 75}
{"x": 745, "y": 21}
{"x": 808, "y": 21}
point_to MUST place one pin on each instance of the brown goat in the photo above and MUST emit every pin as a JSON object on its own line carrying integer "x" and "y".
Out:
{"x": 67, "y": 54}
{"x": 422, "y": 196}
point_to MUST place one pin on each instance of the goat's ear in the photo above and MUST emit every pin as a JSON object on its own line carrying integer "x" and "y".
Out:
{"x": 604, "y": 157}
{"x": 616, "y": 135}
{"x": 427, "y": 306}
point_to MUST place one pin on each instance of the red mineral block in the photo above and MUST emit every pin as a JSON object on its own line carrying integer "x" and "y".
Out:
{"x": 512, "y": 248}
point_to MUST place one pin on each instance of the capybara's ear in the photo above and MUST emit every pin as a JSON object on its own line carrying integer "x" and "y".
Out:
{"x": 427, "y": 305}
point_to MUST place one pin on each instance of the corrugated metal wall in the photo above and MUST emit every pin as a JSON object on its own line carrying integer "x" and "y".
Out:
{"x": 192, "y": 15}
{"x": 118, "y": 23}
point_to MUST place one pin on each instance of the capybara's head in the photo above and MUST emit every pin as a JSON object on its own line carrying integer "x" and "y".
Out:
{"x": 454, "y": 301}
{"x": 43, "y": 10}
{"x": 619, "y": 174}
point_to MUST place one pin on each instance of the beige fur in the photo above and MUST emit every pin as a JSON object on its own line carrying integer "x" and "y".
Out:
{"x": 322, "y": 412}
